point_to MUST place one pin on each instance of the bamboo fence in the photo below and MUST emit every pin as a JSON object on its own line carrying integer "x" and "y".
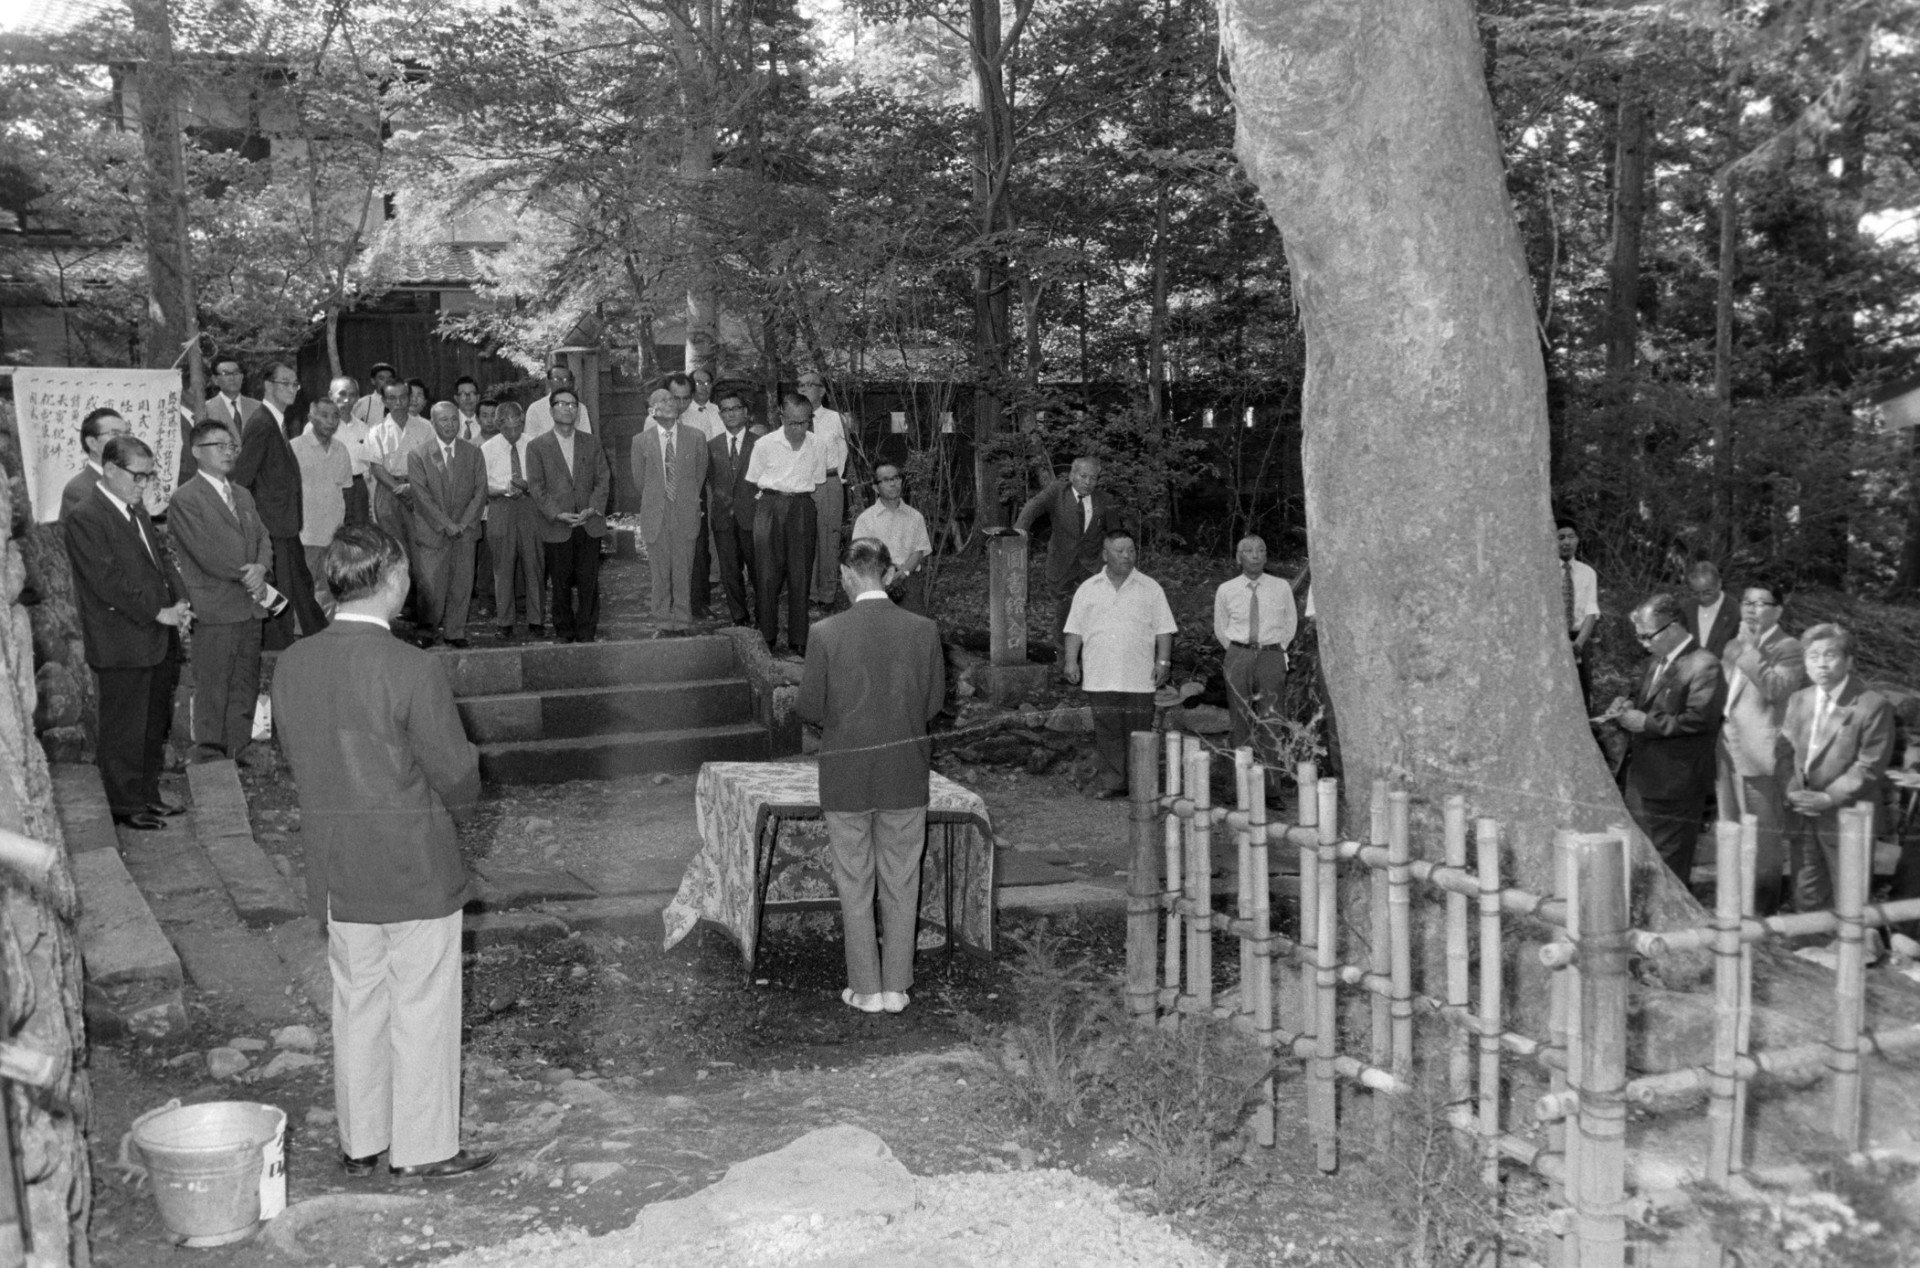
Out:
{"x": 1573, "y": 1135}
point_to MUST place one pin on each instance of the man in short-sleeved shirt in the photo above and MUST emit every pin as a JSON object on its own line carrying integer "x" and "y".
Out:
{"x": 1119, "y": 648}
{"x": 904, "y": 530}
{"x": 785, "y": 467}
{"x": 326, "y": 473}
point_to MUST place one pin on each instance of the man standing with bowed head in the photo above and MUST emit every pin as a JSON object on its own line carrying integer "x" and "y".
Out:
{"x": 875, "y": 678}
{"x": 786, "y": 467}
{"x": 1712, "y": 618}
{"x": 1081, "y": 516}
{"x": 1672, "y": 724}
{"x": 1119, "y": 648}
{"x": 268, "y": 469}
{"x": 133, "y": 607}
{"x": 1837, "y": 739}
{"x": 96, "y": 429}
{"x": 384, "y": 770}
{"x": 449, "y": 480}
{"x": 1254, "y": 621}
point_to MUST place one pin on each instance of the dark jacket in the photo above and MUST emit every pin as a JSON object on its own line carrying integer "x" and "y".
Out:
{"x": 1073, "y": 549}
{"x": 383, "y": 768}
{"x": 1672, "y": 758}
{"x": 118, "y": 585}
{"x": 555, "y": 490}
{"x": 213, "y": 544}
{"x": 875, "y": 677}
{"x": 728, "y": 492}
{"x": 1726, "y": 622}
{"x": 267, "y": 469}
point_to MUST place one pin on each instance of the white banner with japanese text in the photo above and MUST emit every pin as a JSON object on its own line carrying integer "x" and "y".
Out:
{"x": 51, "y": 401}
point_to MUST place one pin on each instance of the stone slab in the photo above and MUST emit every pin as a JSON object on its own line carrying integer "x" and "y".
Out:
{"x": 1012, "y": 868}
{"x": 238, "y": 966}
{"x": 636, "y": 915}
{"x": 81, "y": 801}
{"x": 1010, "y": 685}
{"x": 302, "y": 948}
{"x": 120, "y": 940}
{"x": 502, "y": 888}
{"x": 493, "y": 928}
{"x": 259, "y": 892}
{"x": 1070, "y": 896}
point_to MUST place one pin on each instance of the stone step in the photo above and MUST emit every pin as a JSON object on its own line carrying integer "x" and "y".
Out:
{"x": 626, "y": 753}
{"x": 259, "y": 892}
{"x": 133, "y": 974}
{"x": 557, "y": 667}
{"x": 583, "y": 711}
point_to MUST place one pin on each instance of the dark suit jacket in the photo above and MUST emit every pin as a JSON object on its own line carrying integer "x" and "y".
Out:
{"x": 555, "y": 490}
{"x": 267, "y": 469}
{"x": 728, "y": 492}
{"x": 1073, "y": 550}
{"x": 78, "y": 489}
{"x": 1852, "y": 756}
{"x": 119, "y": 587}
{"x": 213, "y": 544}
{"x": 449, "y": 500}
{"x": 875, "y": 677}
{"x": 681, "y": 516}
{"x": 1672, "y": 759}
{"x": 383, "y": 767}
{"x": 1726, "y": 622}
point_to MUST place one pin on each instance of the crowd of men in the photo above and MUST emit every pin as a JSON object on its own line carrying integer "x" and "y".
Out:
{"x": 1733, "y": 712}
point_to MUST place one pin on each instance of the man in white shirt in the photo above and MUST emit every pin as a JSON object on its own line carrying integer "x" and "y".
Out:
{"x": 904, "y": 530}
{"x": 466, "y": 398}
{"x": 1254, "y": 620}
{"x": 540, "y": 413}
{"x": 680, "y": 387}
{"x": 373, "y": 408}
{"x": 389, "y": 442}
{"x": 229, "y": 405}
{"x": 1764, "y": 666}
{"x": 513, "y": 526}
{"x": 1580, "y": 599}
{"x": 830, "y": 499}
{"x": 1122, "y": 623}
{"x": 326, "y": 473}
{"x": 353, "y": 433}
{"x": 786, "y": 467}
{"x": 702, "y": 411}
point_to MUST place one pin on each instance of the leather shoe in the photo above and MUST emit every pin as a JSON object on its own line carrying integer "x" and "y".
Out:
{"x": 143, "y": 821}
{"x": 359, "y": 1168}
{"x": 536, "y": 631}
{"x": 459, "y": 644}
{"x": 458, "y": 1165}
{"x": 166, "y": 809}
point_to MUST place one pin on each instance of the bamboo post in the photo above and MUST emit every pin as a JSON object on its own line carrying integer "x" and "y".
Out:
{"x": 1176, "y": 885}
{"x": 1487, "y": 843}
{"x": 1400, "y": 929}
{"x": 1262, "y": 980}
{"x": 1850, "y": 985}
{"x": 1244, "y": 774}
{"x": 1143, "y": 881}
{"x": 1743, "y": 1039}
{"x": 1199, "y": 877}
{"x": 1380, "y": 959}
{"x": 1324, "y": 1093}
{"x": 1562, "y": 1134}
{"x": 1726, "y": 1001}
{"x": 1459, "y": 989}
{"x": 1600, "y": 1226}
{"x": 1307, "y": 781}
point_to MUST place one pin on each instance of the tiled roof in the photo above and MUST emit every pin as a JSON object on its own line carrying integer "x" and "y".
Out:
{"x": 419, "y": 266}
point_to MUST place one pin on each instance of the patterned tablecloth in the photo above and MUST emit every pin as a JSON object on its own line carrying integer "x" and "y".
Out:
{"x": 764, "y": 845}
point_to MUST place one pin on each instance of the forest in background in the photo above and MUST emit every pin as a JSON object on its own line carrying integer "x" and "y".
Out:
{"x": 1040, "y": 203}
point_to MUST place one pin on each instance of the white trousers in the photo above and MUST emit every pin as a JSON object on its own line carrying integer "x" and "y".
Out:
{"x": 396, "y": 1038}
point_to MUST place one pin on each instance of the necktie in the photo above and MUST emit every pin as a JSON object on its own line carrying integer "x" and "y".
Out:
{"x": 513, "y": 456}
{"x": 733, "y": 451}
{"x": 133, "y": 517}
{"x": 669, "y": 464}
{"x": 1821, "y": 712}
{"x": 226, "y": 495}
{"x": 1566, "y": 590}
{"x": 1080, "y": 500}
{"x": 1253, "y": 613}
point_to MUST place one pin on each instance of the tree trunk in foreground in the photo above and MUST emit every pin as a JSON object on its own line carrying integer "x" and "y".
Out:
{"x": 1367, "y": 125}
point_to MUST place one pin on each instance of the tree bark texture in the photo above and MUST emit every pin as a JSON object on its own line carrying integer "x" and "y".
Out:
{"x": 173, "y": 327}
{"x": 1629, "y": 220}
{"x": 1368, "y": 128}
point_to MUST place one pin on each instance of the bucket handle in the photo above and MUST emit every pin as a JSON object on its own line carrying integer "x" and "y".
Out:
{"x": 134, "y": 1172}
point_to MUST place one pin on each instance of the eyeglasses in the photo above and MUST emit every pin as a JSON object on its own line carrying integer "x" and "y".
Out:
{"x": 566, "y": 405}
{"x": 138, "y": 477}
{"x": 1647, "y": 638}
{"x": 226, "y": 445}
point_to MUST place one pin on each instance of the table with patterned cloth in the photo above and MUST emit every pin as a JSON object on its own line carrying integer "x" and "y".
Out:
{"x": 764, "y": 848}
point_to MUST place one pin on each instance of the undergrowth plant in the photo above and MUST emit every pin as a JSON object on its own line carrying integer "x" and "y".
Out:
{"x": 1050, "y": 1061}
{"x": 1848, "y": 1217}
{"x": 1183, "y": 1094}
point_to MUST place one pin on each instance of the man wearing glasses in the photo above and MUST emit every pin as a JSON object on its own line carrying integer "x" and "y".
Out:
{"x": 268, "y": 469}
{"x": 224, "y": 556}
{"x": 904, "y": 530}
{"x": 569, "y": 479}
{"x": 1764, "y": 667}
{"x": 730, "y": 503}
{"x": 133, "y": 606}
{"x": 96, "y": 429}
{"x": 228, "y": 406}
{"x": 1672, "y": 723}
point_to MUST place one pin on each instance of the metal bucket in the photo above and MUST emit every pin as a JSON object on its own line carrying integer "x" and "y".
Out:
{"x": 204, "y": 1162}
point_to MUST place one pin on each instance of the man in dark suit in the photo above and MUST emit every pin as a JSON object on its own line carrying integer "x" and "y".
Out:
{"x": 449, "y": 479}
{"x": 730, "y": 504}
{"x": 568, "y": 479}
{"x": 384, "y": 769}
{"x": 1081, "y": 516}
{"x": 1672, "y": 724}
{"x": 224, "y": 555}
{"x": 875, "y": 677}
{"x": 269, "y": 471}
{"x": 133, "y": 606}
{"x": 1838, "y": 737}
{"x": 669, "y": 461}
{"x": 96, "y": 429}
{"x": 1712, "y": 618}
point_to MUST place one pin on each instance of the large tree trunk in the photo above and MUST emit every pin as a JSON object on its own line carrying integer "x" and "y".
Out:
{"x": 173, "y": 326}
{"x": 1629, "y": 220}
{"x": 1367, "y": 125}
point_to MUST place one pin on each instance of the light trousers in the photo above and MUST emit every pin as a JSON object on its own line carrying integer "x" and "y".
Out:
{"x": 670, "y": 573}
{"x": 396, "y": 1038}
{"x": 886, "y": 845}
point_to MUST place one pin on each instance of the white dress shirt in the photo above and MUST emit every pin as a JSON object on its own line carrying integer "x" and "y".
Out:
{"x": 831, "y": 430}
{"x": 540, "y": 419}
{"x": 903, "y": 530}
{"x": 777, "y": 467}
{"x": 704, "y": 419}
{"x": 1706, "y": 618}
{"x": 500, "y": 463}
{"x": 1233, "y": 600}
